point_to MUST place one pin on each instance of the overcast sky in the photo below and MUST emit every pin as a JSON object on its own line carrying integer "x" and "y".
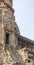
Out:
{"x": 24, "y": 13}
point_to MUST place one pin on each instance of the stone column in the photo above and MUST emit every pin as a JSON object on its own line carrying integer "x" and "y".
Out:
{"x": 2, "y": 30}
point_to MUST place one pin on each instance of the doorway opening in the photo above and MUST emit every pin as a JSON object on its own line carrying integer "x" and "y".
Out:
{"x": 7, "y": 38}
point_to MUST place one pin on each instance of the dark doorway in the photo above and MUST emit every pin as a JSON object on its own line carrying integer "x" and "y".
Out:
{"x": 7, "y": 38}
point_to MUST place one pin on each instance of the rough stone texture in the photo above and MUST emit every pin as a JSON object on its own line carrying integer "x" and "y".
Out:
{"x": 12, "y": 53}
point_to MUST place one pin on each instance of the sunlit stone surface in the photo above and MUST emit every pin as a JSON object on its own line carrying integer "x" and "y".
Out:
{"x": 14, "y": 48}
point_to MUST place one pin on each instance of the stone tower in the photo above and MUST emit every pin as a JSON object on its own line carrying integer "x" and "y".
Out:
{"x": 12, "y": 43}
{"x": 8, "y": 27}
{"x": 8, "y": 32}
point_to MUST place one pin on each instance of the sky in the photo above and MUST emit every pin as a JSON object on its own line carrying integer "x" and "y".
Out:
{"x": 24, "y": 15}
